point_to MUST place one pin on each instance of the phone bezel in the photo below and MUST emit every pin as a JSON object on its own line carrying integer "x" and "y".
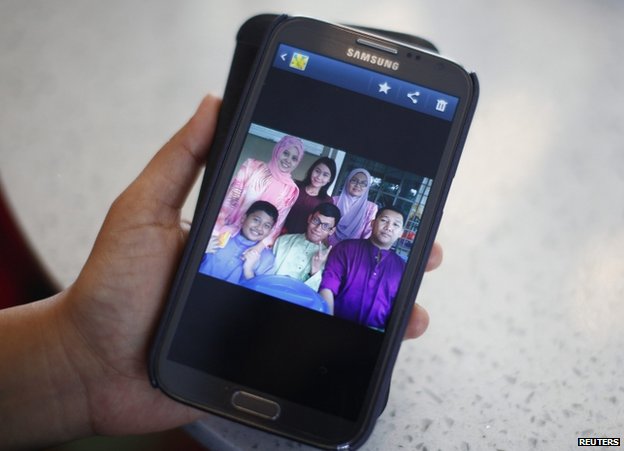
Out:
{"x": 196, "y": 388}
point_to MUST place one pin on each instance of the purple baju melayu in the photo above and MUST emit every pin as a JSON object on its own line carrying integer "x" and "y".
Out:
{"x": 364, "y": 280}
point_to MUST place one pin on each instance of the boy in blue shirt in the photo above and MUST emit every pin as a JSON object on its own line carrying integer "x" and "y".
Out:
{"x": 235, "y": 260}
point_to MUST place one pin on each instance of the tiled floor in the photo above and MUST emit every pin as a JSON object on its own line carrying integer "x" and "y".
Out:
{"x": 525, "y": 345}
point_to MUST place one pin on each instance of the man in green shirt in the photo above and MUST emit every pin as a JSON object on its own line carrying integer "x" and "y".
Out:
{"x": 303, "y": 255}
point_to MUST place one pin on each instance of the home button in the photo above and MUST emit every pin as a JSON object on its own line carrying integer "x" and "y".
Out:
{"x": 256, "y": 405}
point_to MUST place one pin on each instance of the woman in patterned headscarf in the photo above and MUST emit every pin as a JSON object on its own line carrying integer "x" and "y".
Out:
{"x": 357, "y": 211}
{"x": 257, "y": 180}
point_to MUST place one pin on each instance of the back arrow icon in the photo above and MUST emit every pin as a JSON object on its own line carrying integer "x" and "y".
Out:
{"x": 283, "y": 56}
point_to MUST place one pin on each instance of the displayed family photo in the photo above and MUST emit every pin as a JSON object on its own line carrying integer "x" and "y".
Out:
{"x": 316, "y": 226}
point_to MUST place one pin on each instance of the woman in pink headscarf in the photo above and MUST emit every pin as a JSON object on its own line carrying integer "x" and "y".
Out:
{"x": 257, "y": 180}
{"x": 357, "y": 211}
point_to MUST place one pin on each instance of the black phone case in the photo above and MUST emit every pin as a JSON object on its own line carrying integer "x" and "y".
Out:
{"x": 249, "y": 41}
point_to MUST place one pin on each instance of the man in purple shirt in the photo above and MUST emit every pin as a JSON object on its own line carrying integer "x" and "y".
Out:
{"x": 362, "y": 277}
{"x": 236, "y": 259}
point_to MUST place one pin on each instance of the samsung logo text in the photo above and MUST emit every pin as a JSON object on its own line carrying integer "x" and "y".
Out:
{"x": 372, "y": 59}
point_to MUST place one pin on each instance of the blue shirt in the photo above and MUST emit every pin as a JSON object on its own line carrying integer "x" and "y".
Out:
{"x": 226, "y": 263}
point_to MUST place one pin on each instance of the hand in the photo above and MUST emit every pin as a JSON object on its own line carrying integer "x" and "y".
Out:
{"x": 213, "y": 244}
{"x": 79, "y": 359}
{"x": 257, "y": 248}
{"x": 419, "y": 319}
{"x": 250, "y": 258}
{"x": 112, "y": 310}
{"x": 319, "y": 259}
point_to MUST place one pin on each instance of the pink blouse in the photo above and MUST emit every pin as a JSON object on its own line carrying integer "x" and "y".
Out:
{"x": 253, "y": 182}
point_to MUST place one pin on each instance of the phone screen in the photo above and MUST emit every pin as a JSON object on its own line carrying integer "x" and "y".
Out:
{"x": 300, "y": 273}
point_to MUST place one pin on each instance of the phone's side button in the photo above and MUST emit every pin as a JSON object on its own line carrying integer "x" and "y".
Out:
{"x": 256, "y": 405}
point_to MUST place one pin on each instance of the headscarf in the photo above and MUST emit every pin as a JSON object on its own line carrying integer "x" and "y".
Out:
{"x": 353, "y": 208}
{"x": 283, "y": 144}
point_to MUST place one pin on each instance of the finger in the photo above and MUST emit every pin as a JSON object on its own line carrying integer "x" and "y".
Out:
{"x": 418, "y": 322}
{"x": 170, "y": 175}
{"x": 435, "y": 257}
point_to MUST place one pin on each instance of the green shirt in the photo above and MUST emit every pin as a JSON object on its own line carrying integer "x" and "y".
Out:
{"x": 293, "y": 257}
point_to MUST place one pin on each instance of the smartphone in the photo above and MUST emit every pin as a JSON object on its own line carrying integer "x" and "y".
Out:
{"x": 318, "y": 210}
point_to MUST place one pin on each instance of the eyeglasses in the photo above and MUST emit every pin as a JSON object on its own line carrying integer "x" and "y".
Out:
{"x": 324, "y": 225}
{"x": 361, "y": 184}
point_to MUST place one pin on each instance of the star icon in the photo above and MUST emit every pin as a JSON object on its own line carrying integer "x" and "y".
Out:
{"x": 384, "y": 87}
